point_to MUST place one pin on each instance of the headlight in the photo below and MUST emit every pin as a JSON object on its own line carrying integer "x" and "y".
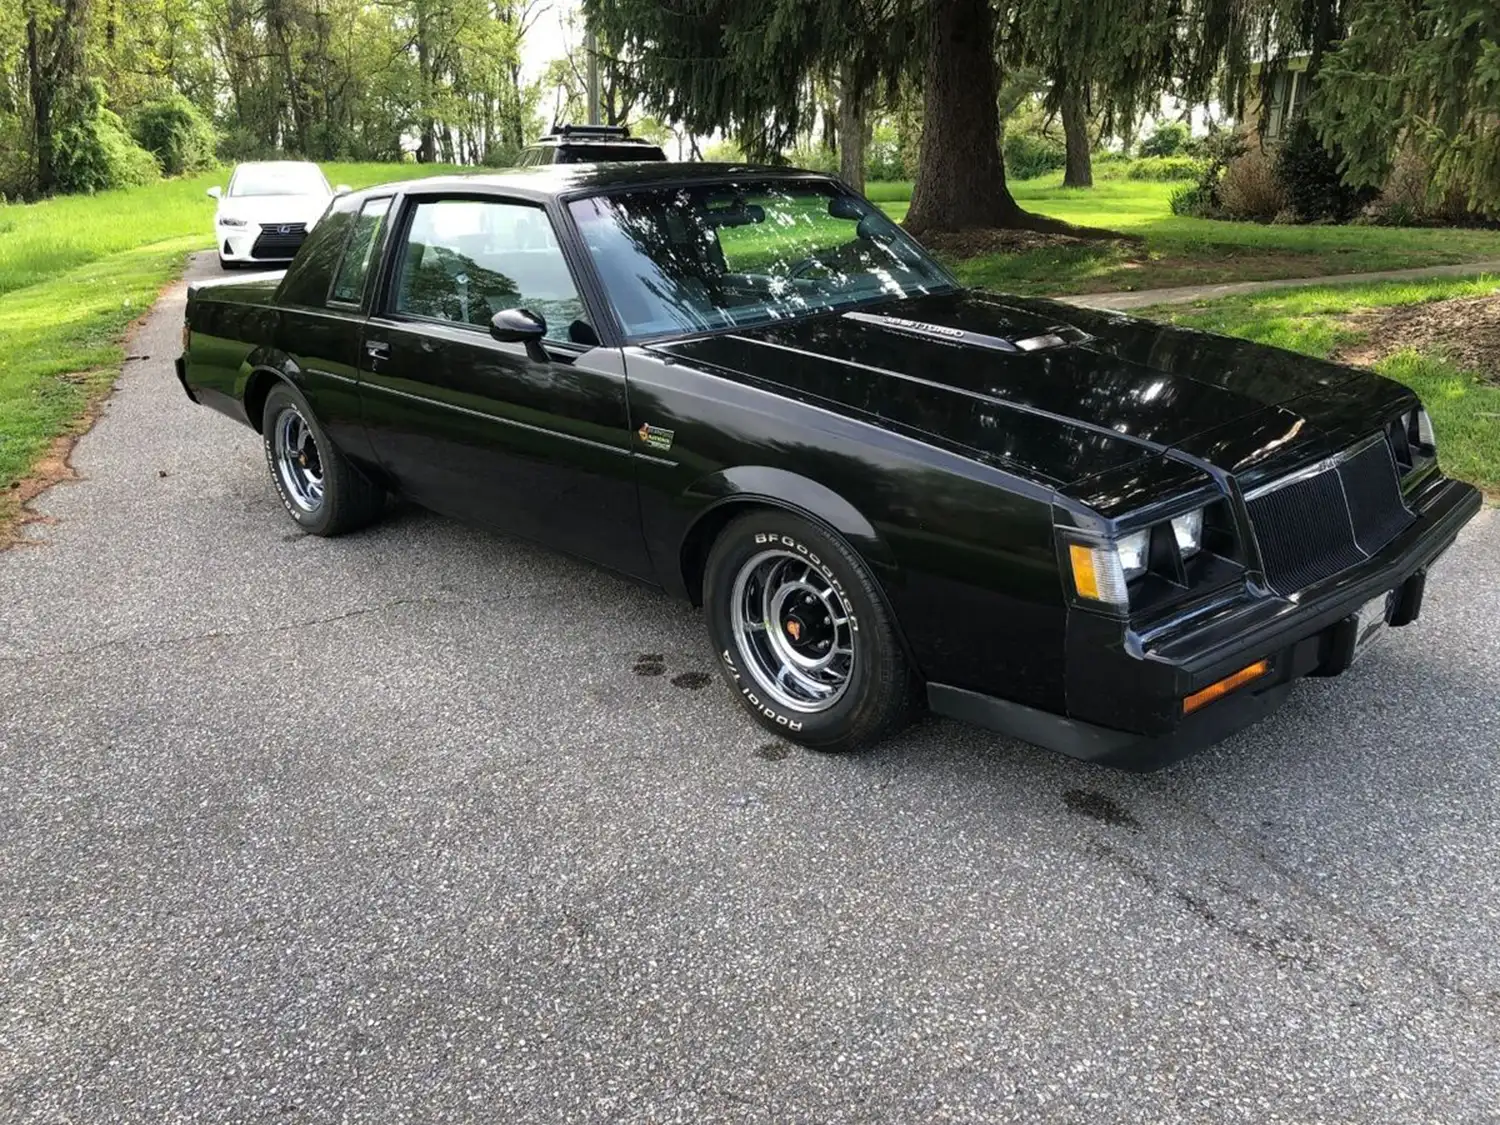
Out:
{"x": 1133, "y": 550}
{"x": 1103, "y": 571}
{"x": 1425, "y": 434}
{"x": 1188, "y": 529}
{"x": 227, "y": 222}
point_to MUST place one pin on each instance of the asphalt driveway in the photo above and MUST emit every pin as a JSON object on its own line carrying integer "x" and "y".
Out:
{"x": 426, "y": 824}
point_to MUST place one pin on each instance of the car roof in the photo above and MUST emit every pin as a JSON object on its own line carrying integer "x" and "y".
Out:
{"x": 548, "y": 181}
{"x": 592, "y": 139}
{"x": 276, "y": 164}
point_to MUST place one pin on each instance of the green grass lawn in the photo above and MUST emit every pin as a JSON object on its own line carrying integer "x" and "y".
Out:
{"x": 74, "y": 272}
{"x": 1181, "y": 251}
{"x": 1317, "y": 321}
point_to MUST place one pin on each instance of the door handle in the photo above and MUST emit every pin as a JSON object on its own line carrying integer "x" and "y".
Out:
{"x": 377, "y": 349}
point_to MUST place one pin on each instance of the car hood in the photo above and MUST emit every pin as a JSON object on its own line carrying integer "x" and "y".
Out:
{"x": 274, "y": 208}
{"x": 1067, "y": 394}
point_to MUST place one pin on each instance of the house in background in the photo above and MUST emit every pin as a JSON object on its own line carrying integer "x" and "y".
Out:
{"x": 1289, "y": 92}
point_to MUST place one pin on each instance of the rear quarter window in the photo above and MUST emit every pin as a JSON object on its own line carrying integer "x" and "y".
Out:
{"x": 310, "y": 275}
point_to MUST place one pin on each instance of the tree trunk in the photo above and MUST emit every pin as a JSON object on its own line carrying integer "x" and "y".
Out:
{"x": 1079, "y": 170}
{"x": 852, "y": 112}
{"x": 960, "y": 176}
{"x": 41, "y": 109}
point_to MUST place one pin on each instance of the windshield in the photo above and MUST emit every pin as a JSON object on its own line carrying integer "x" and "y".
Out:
{"x": 693, "y": 259}
{"x": 278, "y": 179}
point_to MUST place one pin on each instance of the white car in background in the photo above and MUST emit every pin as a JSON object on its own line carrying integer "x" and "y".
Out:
{"x": 265, "y": 213}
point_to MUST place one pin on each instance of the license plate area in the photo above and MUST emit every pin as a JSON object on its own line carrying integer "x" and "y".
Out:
{"x": 1370, "y": 622}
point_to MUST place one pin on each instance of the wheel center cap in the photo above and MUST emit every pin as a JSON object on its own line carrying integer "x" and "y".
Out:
{"x": 794, "y": 628}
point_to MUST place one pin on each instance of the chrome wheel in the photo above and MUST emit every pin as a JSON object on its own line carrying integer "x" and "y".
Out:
{"x": 298, "y": 461}
{"x": 794, "y": 633}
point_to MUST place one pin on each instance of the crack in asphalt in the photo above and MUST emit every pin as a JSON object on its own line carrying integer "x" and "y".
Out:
{"x": 236, "y": 634}
{"x": 1321, "y": 904}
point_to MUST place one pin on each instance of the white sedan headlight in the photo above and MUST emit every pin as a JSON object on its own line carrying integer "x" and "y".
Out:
{"x": 226, "y": 221}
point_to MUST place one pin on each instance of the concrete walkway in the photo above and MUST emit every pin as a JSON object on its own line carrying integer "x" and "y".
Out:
{"x": 1187, "y": 294}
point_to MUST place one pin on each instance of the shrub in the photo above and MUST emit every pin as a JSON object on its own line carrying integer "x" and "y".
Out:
{"x": 1194, "y": 201}
{"x": 1029, "y": 155}
{"x": 724, "y": 152}
{"x": 1249, "y": 189}
{"x": 1407, "y": 198}
{"x": 883, "y": 155}
{"x": 91, "y": 149}
{"x": 176, "y": 133}
{"x": 815, "y": 158}
{"x": 1170, "y": 138}
{"x": 1201, "y": 201}
{"x": 16, "y": 173}
{"x": 1164, "y": 168}
{"x": 1309, "y": 175}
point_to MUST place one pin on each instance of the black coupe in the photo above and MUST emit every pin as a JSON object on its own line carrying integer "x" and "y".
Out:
{"x": 748, "y": 386}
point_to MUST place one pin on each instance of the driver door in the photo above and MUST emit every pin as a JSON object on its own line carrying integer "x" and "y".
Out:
{"x": 536, "y": 443}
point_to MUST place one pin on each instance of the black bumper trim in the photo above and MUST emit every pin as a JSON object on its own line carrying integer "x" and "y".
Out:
{"x": 181, "y": 365}
{"x": 1102, "y": 745}
{"x": 1208, "y": 654}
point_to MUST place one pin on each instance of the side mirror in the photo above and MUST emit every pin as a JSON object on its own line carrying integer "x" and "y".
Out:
{"x": 846, "y": 207}
{"x": 215, "y": 192}
{"x": 342, "y": 189}
{"x": 520, "y": 326}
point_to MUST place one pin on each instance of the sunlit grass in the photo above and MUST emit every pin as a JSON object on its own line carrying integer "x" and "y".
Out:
{"x": 39, "y": 241}
{"x": 1184, "y": 251}
{"x": 74, "y": 272}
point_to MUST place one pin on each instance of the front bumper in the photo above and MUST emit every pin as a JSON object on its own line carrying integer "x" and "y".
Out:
{"x": 239, "y": 244}
{"x": 1134, "y": 690}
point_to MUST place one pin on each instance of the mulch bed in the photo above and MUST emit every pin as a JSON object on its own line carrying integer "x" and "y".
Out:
{"x": 1466, "y": 330}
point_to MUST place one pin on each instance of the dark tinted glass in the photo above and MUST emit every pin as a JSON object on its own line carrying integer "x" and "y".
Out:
{"x": 307, "y": 279}
{"x": 607, "y": 153}
{"x": 349, "y": 286}
{"x": 723, "y": 255}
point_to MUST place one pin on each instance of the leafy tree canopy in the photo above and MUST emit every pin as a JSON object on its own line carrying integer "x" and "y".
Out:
{"x": 1418, "y": 73}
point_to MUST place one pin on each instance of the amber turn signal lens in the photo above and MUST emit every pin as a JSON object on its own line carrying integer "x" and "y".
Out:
{"x": 1225, "y": 686}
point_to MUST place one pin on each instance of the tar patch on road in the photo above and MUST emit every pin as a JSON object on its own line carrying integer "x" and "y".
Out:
{"x": 1096, "y": 806}
{"x": 649, "y": 664}
{"x": 773, "y": 751}
{"x": 693, "y": 681}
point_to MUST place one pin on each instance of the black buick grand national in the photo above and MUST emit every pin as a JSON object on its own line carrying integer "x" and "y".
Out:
{"x": 748, "y": 386}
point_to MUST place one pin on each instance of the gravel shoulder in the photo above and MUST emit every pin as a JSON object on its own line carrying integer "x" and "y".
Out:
{"x": 399, "y": 827}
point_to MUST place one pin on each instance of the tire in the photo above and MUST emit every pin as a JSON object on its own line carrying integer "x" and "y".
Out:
{"x": 772, "y": 564}
{"x": 320, "y": 489}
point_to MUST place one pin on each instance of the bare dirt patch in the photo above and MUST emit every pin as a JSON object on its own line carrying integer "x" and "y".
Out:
{"x": 1466, "y": 330}
{"x": 53, "y": 466}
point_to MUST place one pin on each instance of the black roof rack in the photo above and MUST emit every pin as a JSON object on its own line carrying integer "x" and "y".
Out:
{"x": 620, "y": 131}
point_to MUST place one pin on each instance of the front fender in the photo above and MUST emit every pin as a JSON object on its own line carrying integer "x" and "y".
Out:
{"x": 715, "y": 496}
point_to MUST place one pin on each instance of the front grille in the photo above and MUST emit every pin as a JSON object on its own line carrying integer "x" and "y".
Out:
{"x": 279, "y": 241}
{"x": 1314, "y": 524}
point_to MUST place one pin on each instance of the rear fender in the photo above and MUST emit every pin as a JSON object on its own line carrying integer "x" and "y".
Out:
{"x": 260, "y": 371}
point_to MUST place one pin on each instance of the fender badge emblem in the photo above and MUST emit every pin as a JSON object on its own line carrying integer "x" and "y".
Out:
{"x": 655, "y": 436}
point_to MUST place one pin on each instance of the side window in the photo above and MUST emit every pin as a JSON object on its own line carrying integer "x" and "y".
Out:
{"x": 310, "y": 275}
{"x": 349, "y": 284}
{"x": 467, "y": 259}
